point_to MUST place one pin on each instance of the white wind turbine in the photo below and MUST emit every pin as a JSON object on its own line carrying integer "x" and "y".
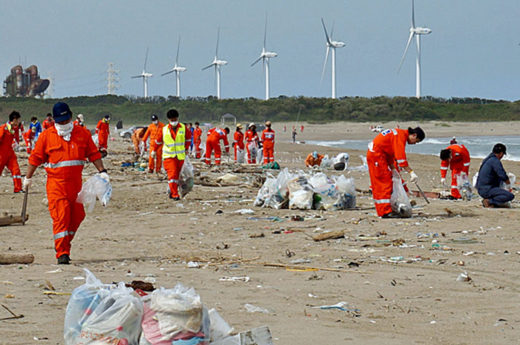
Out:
{"x": 417, "y": 32}
{"x": 265, "y": 56}
{"x": 217, "y": 63}
{"x": 177, "y": 69}
{"x": 331, "y": 45}
{"x": 145, "y": 75}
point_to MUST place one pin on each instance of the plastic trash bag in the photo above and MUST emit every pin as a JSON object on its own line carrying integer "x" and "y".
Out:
{"x": 102, "y": 314}
{"x": 219, "y": 328}
{"x": 326, "y": 162}
{"x": 186, "y": 178}
{"x": 253, "y": 149}
{"x": 340, "y": 162}
{"x": 326, "y": 192}
{"x": 464, "y": 186}
{"x": 95, "y": 139}
{"x": 241, "y": 154}
{"x": 279, "y": 197}
{"x": 300, "y": 193}
{"x": 95, "y": 186}
{"x": 346, "y": 191}
{"x": 265, "y": 191}
{"x": 399, "y": 200}
{"x": 475, "y": 178}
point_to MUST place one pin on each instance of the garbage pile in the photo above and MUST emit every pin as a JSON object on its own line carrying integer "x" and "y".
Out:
{"x": 303, "y": 191}
{"x": 340, "y": 163}
{"x": 104, "y": 314}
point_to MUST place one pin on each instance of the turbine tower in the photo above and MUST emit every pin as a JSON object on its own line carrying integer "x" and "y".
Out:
{"x": 218, "y": 64}
{"x": 417, "y": 32}
{"x": 145, "y": 75}
{"x": 331, "y": 45}
{"x": 265, "y": 56}
{"x": 177, "y": 69}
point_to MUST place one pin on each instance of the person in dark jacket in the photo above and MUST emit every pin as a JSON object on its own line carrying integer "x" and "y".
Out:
{"x": 490, "y": 176}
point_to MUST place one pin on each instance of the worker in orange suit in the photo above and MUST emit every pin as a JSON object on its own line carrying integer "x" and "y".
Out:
{"x": 268, "y": 143}
{"x": 188, "y": 138}
{"x": 197, "y": 140}
{"x": 154, "y": 132}
{"x": 80, "y": 121}
{"x": 213, "y": 144}
{"x": 29, "y": 137}
{"x": 7, "y": 155}
{"x": 137, "y": 140}
{"x": 455, "y": 157}
{"x": 252, "y": 143}
{"x": 313, "y": 159}
{"x": 238, "y": 142}
{"x": 174, "y": 149}
{"x": 388, "y": 148}
{"x": 64, "y": 149}
{"x": 103, "y": 130}
{"x": 48, "y": 122}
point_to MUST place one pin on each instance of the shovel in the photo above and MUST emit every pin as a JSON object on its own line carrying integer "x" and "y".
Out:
{"x": 24, "y": 205}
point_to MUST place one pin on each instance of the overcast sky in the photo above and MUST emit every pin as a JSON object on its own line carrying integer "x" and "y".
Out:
{"x": 473, "y": 50}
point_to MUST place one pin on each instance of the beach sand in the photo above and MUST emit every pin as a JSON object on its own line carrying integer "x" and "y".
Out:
{"x": 414, "y": 300}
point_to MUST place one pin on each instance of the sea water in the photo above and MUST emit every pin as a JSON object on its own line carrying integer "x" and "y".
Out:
{"x": 478, "y": 146}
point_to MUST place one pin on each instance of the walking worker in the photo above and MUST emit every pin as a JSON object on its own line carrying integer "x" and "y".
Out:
{"x": 7, "y": 155}
{"x": 490, "y": 175}
{"x": 238, "y": 142}
{"x": 154, "y": 132}
{"x": 103, "y": 130}
{"x": 268, "y": 143}
{"x": 37, "y": 125}
{"x": 197, "y": 140}
{"x": 48, "y": 122}
{"x": 252, "y": 143}
{"x": 213, "y": 144}
{"x": 137, "y": 140}
{"x": 64, "y": 149}
{"x": 174, "y": 151}
{"x": 455, "y": 157}
{"x": 80, "y": 121}
{"x": 29, "y": 138}
{"x": 386, "y": 148}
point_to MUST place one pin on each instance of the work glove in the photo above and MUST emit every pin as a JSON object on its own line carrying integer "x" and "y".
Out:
{"x": 153, "y": 154}
{"x": 443, "y": 181}
{"x": 413, "y": 177}
{"x": 104, "y": 176}
{"x": 27, "y": 182}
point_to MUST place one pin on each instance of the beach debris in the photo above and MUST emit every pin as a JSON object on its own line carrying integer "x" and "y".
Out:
{"x": 343, "y": 306}
{"x": 258, "y": 235}
{"x": 140, "y": 285}
{"x": 193, "y": 264}
{"x": 255, "y": 309}
{"x": 256, "y": 336}
{"x": 244, "y": 279}
{"x": 245, "y": 211}
{"x": 11, "y": 219}
{"x": 11, "y": 258}
{"x": 13, "y": 315}
{"x": 331, "y": 235}
{"x": 464, "y": 277}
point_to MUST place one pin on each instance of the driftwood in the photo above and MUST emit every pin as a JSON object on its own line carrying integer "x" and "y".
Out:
{"x": 8, "y": 220}
{"x": 331, "y": 235}
{"x": 303, "y": 268}
{"x": 8, "y": 259}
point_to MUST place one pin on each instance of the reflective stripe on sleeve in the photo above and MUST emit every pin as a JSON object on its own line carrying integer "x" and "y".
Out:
{"x": 401, "y": 160}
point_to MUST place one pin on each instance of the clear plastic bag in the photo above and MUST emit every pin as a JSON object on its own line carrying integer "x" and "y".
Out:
{"x": 186, "y": 178}
{"x": 399, "y": 200}
{"x": 340, "y": 162}
{"x": 464, "y": 186}
{"x": 265, "y": 191}
{"x": 346, "y": 193}
{"x": 326, "y": 162}
{"x": 253, "y": 149}
{"x": 326, "y": 191}
{"x": 95, "y": 186}
{"x": 300, "y": 193}
{"x": 279, "y": 197}
{"x": 241, "y": 156}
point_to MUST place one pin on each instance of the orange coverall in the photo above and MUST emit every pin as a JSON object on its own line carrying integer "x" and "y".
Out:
{"x": 8, "y": 157}
{"x": 77, "y": 123}
{"x": 136, "y": 139}
{"x": 64, "y": 162}
{"x": 197, "y": 140}
{"x": 238, "y": 142}
{"x": 154, "y": 132}
{"x": 458, "y": 163}
{"x": 212, "y": 143}
{"x": 251, "y": 141}
{"x": 28, "y": 137}
{"x": 310, "y": 161}
{"x": 47, "y": 124}
{"x": 386, "y": 148}
{"x": 173, "y": 166}
{"x": 268, "y": 142}
{"x": 103, "y": 130}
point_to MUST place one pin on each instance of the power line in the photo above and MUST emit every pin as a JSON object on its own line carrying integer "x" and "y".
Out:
{"x": 112, "y": 79}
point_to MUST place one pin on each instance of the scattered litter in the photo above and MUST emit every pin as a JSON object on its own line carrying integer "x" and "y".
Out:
{"x": 301, "y": 261}
{"x": 463, "y": 277}
{"x": 58, "y": 270}
{"x": 329, "y": 235}
{"x": 244, "y": 279}
{"x": 78, "y": 278}
{"x": 193, "y": 264}
{"x": 343, "y": 306}
{"x": 245, "y": 211}
{"x": 254, "y": 309}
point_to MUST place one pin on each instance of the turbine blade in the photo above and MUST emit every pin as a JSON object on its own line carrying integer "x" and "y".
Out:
{"x": 332, "y": 30}
{"x": 265, "y": 31}
{"x": 146, "y": 59}
{"x": 178, "y": 47}
{"x": 162, "y": 75}
{"x": 256, "y": 61}
{"x": 325, "y": 29}
{"x": 208, "y": 66}
{"x": 406, "y": 49}
{"x": 137, "y": 76}
{"x": 413, "y": 14}
{"x": 325, "y": 64}
{"x": 218, "y": 39}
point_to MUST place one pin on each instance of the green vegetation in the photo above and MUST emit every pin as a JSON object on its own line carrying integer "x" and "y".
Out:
{"x": 314, "y": 110}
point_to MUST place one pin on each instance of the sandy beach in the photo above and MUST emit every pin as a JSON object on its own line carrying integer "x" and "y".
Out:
{"x": 399, "y": 277}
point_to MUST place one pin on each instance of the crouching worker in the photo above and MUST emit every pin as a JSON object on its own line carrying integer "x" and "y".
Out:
{"x": 64, "y": 149}
{"x": 386, "y": 148}
{"x": 490, "y": 175}
{"x": 454, "y": 157}
{"x": 313, "y": 159}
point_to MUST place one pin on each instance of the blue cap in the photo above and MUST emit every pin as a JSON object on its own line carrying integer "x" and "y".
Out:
{"x": 61, "y": 112}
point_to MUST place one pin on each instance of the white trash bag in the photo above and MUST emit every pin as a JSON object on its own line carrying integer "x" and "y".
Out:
{"x": 95, "y": 187}
{"x": 346, "y": 193}
{"x": 300, "y": 193}
{"x": 186, "y": 178}
{"x": 399, "y": 200}
{"x": 241, "y": 154}
{"x": 326, "y": 191}
{"x": 464, "y": 186}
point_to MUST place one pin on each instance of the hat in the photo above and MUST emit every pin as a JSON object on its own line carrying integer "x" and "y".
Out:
{"x": 107, "y": 116}
{"x": 80, "y": 116}
{"x": 155, "y": 117}
{"x": 251, "y": 125}
{"x": 61, "y": 112}
{"x": 267, "y": 123}
{"x": 315, "y": 154}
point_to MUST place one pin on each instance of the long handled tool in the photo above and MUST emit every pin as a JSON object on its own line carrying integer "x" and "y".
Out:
{"x": 422, "y": 193}
{"x": 24, "y": 205}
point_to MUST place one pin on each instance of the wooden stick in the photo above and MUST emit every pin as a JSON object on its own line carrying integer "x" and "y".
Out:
{"x": 331, "y": 235}
{"x": 8, "y": 259}
{"x": 8, "y": 220}
{"x": 269, "y": 264}
{"x": 10, "y": 312}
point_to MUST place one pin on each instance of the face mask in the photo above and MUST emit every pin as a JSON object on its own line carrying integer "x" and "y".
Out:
{"x": 64, "y": 130}
{"x": 174, "y": 123}
{"x": 155, "y": 122}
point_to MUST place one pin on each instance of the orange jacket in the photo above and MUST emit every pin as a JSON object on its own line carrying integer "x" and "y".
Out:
{"x": 310, "y": 161}
{"x": 7, "y": 133}
{"x": 187, "y": 137}
{"x": 103, "y": 127}
{"x": 197, "y": 134}
{"x": 239, "y": 140}
{"x": 268, "y": 138}
{"x": 250, "y": 136}
{"x": 216, "y": 134}
{"x": 47, "y": 124}
{"x": 77, "y": 123}
{"x": 137, "y": 136}
{"x": 64, "y": 159}
{"x": 391, "y": 143}
{"x": 459, "y": 160}
{"x": 154, "y": 132}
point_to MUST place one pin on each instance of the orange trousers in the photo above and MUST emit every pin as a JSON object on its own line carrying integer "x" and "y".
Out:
{"x": 103, "y": 140}
{"x": 381, "y": 181}
{"x": 198, "y": 152}
{"x": 454, "y": 190}
{"x": 210, "y": 147}
{"x": 173, "y": 168}
{"x": 155, "y": 163}
{"x": 65, "y": 212}
{"x": 268, "y": 153}
{"x": 11, "y": 163}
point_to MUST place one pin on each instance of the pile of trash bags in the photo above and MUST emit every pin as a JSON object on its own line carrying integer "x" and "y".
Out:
{"x": 103, "y": 314}
{"x": 305, "y": 192}
{"x": 95, "y": 187}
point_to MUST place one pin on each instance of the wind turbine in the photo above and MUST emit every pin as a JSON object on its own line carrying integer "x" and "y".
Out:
{"x": 218, "y": 64}
{"x": 331, "y": 45}
{"x": 145, "y": 75}
{"x": 265, "y": 56}
{"x": 417, "y": 32}
{"x": 177, "y": 69}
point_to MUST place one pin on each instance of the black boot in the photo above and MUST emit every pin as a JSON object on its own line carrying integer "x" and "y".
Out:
{"x": 64, "y": 260}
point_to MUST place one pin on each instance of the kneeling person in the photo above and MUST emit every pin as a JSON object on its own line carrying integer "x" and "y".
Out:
{"x": 490, "y": 176}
